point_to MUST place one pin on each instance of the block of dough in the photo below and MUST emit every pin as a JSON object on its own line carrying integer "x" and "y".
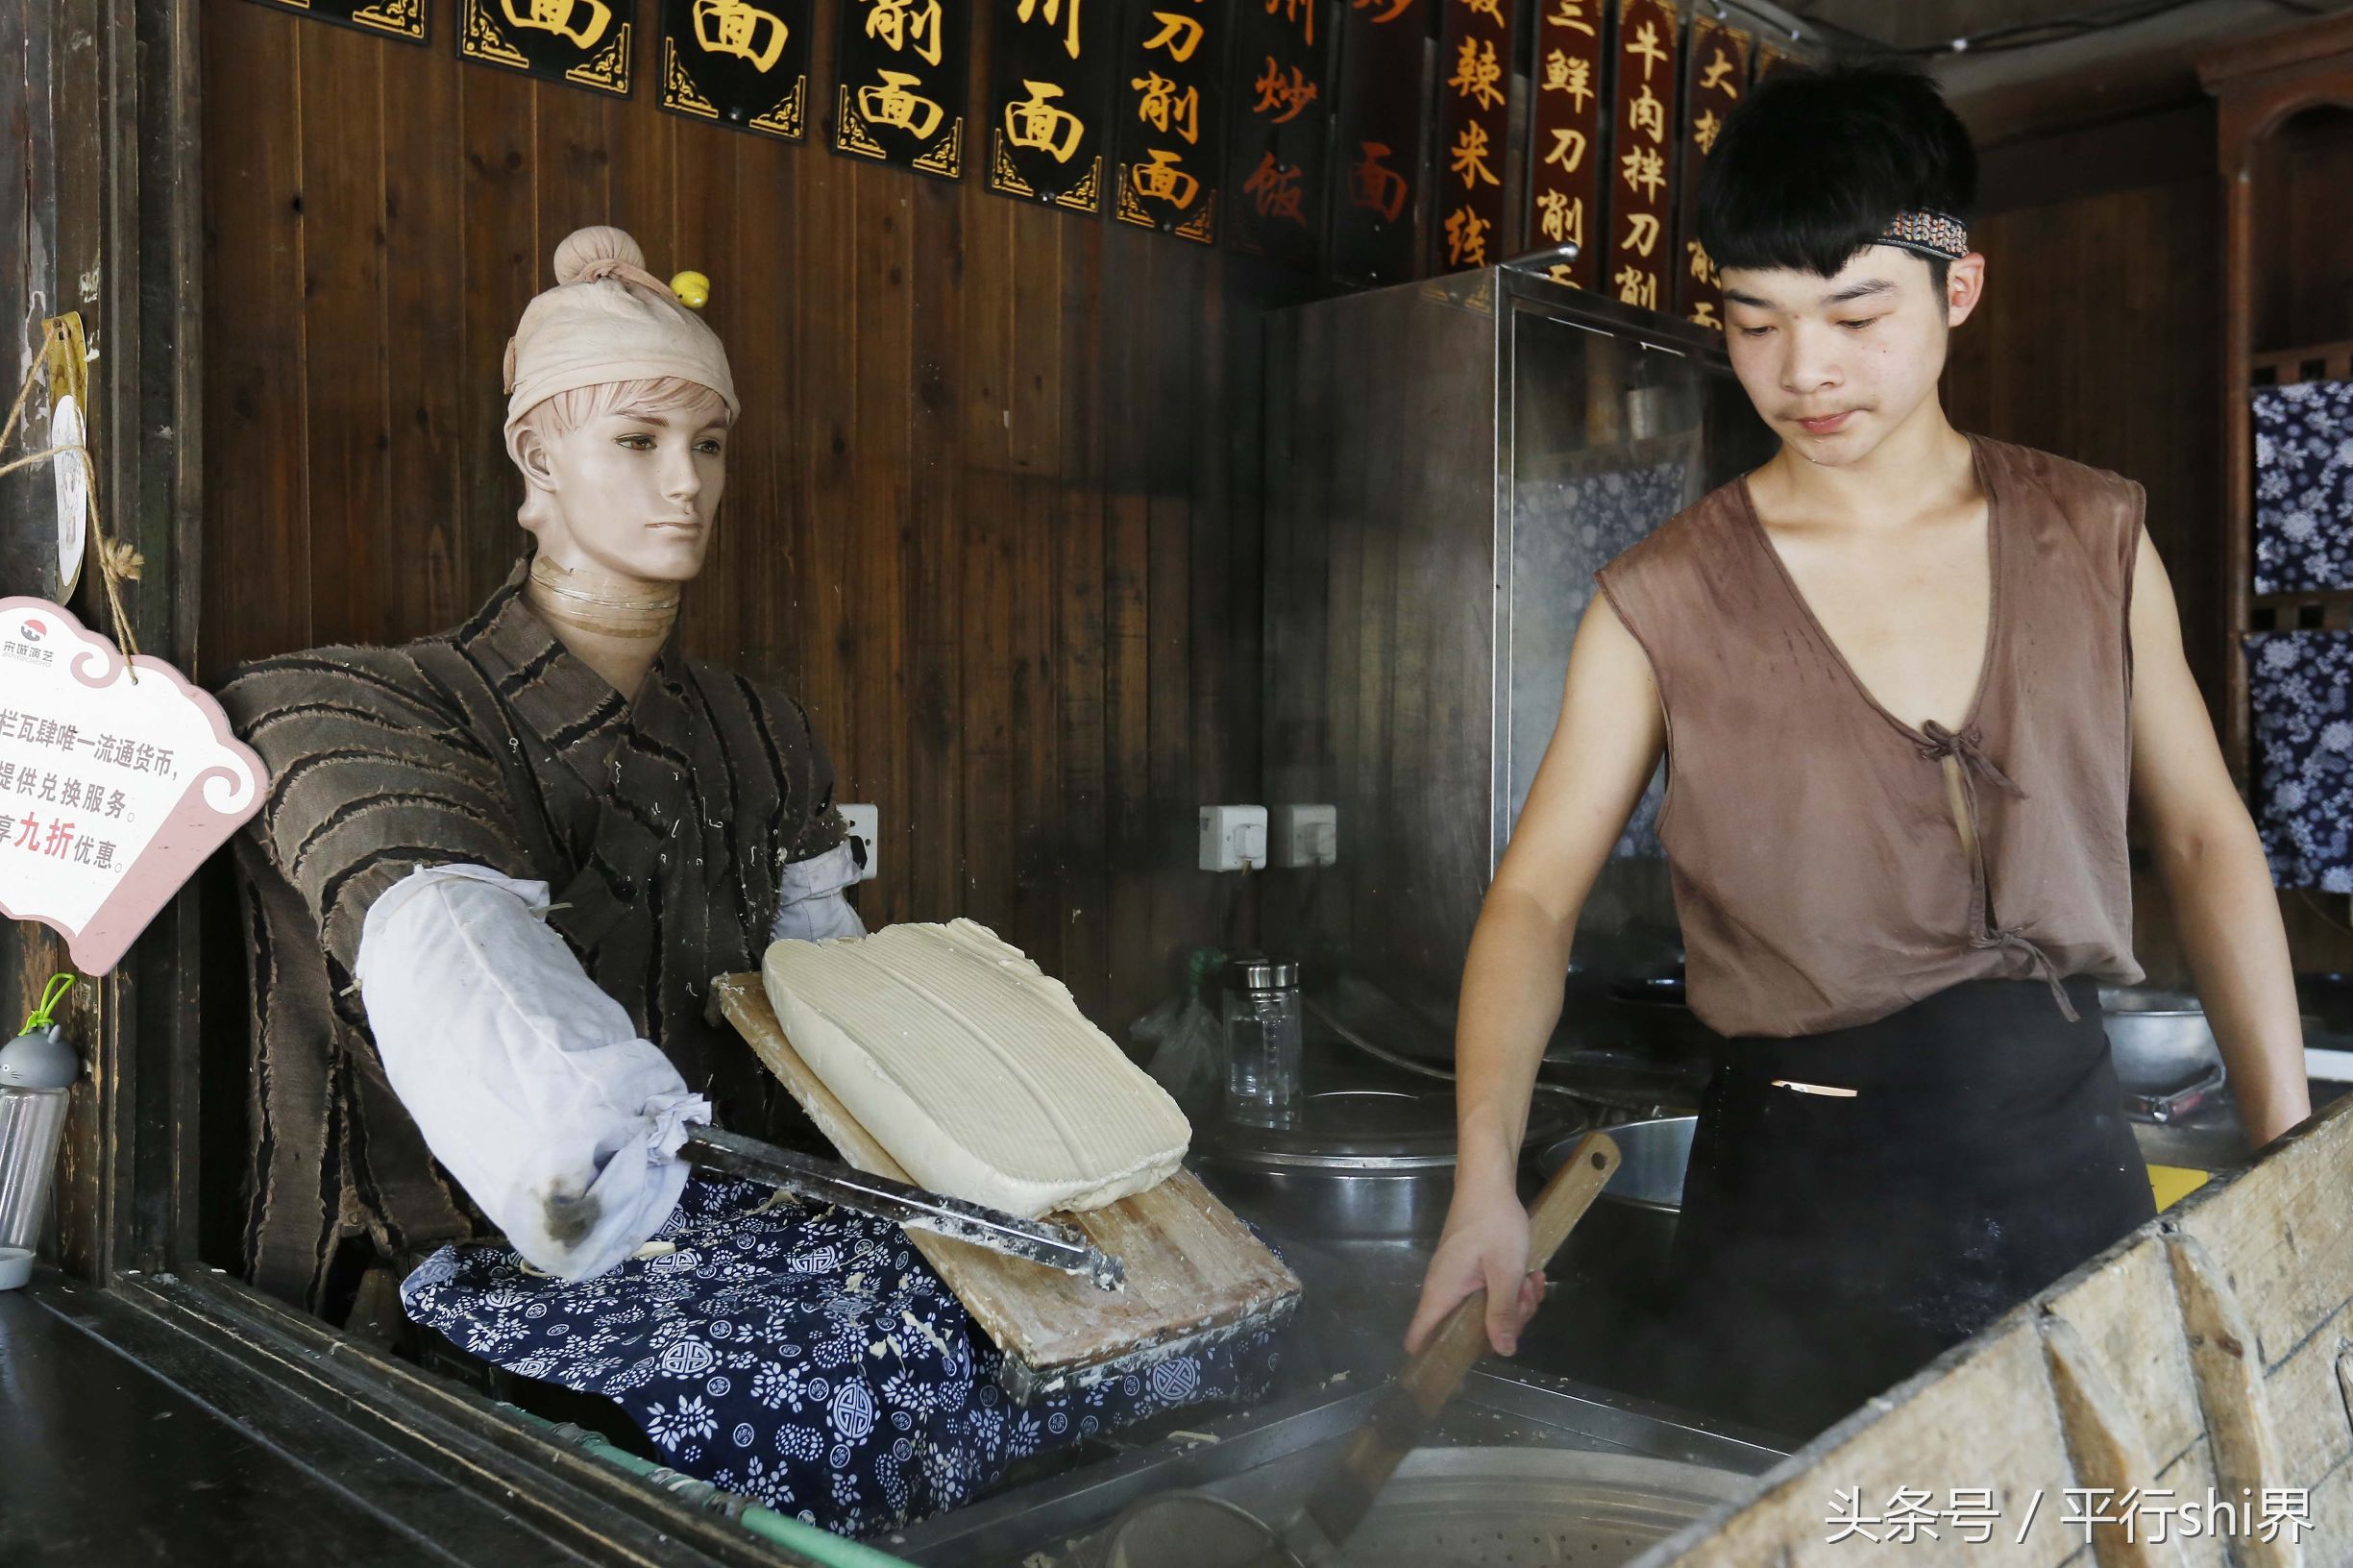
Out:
{"x": 974, "y": 1068}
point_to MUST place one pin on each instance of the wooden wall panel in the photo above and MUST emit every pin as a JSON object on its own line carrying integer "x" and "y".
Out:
{"x": 2101, "y": 340}
{"x": 991, "y": 507}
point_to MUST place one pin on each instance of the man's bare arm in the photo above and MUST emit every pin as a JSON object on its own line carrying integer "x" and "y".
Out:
{"x": 2212, "y": 861}
{"x": 1602, "y": 753}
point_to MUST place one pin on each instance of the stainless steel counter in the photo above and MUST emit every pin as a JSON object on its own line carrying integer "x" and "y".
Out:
{"x": 1262, "y": 1456}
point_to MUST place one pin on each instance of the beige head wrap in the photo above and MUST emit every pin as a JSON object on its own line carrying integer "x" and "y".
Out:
{"x": 607, "y": 319}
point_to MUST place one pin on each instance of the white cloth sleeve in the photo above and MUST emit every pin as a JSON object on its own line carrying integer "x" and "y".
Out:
{"x": 810, "y": 906}
{"x": 528, "y": 1082}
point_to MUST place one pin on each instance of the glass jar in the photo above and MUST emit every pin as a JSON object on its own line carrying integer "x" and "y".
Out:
{"x": 1262, "y": 1018}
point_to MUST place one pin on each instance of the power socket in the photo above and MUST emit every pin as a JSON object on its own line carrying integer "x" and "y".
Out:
{"x": 865, "y": 827}
{"x": 1306, "y": 835}
{"x": 1233, "y": 837}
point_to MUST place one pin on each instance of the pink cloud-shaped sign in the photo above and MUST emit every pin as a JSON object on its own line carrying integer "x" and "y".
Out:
{"x": 113, "y": 790}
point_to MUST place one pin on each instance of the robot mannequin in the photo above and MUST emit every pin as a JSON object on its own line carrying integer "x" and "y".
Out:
{"x": 425, "y": 1007}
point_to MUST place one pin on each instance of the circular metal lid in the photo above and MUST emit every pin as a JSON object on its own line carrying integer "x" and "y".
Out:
{"x": 1372, "y": 1130}
{"x": 1254, "y": 971}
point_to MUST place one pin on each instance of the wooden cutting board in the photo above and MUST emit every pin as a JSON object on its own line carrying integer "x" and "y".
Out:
{"x": 1195, "y": 1273}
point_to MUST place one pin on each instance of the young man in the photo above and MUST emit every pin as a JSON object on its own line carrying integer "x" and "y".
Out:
{"x": 1908, "y": 680}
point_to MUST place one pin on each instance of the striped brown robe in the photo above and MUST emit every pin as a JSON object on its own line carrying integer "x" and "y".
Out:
{"x": 661, "y": 829}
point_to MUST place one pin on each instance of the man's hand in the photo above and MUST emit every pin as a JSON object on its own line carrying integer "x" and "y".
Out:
{"x": 1485, "y": 1247}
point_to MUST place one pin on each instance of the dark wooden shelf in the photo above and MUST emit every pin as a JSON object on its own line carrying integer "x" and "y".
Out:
{"x": 2302, "y": 596}
{"x": 2313, "y": 362}
{"x": 2320, "y": 609}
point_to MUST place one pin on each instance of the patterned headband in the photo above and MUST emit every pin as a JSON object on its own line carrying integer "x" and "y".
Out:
{"x": 1930, "y": 233}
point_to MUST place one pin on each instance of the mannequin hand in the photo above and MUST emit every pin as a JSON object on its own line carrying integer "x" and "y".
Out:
{"x": 1484, "y": 1246}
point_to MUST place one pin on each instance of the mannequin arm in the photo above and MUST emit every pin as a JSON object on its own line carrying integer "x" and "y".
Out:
{"x": 528, "y": 1083}
{"x": 810, "y": 906}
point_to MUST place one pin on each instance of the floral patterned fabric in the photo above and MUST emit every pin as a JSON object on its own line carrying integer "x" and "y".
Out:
{"x": 2304, "y": 487}
{"x": 2302, "y": 689}
{"x": 801, "y": 1354}
{"x": 1563, "y": 528}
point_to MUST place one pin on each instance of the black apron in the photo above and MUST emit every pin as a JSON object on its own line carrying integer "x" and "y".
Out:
{"x": 1829, "y": 1246}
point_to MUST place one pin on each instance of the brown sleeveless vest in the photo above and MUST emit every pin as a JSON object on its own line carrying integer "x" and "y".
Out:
{"x": 1832, "y": 863}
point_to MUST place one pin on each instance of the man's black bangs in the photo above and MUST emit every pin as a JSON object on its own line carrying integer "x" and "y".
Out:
{"x": 1817, "y": 163}
{"x": 1806, "y": 231}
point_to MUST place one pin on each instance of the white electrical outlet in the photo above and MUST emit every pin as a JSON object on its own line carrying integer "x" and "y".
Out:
{"x": 1305, "y": 835}
{"x": 865, "y": 827}
{"x": 1233, "y": 837}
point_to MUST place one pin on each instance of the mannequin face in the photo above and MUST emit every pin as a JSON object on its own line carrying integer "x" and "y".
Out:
{"x": 630, "y": 486}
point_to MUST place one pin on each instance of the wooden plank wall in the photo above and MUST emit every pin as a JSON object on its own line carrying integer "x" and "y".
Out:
{"x": 2100, "y": 338}
{"x": 993, "y": 511}
{"x": 2101, "y": 334}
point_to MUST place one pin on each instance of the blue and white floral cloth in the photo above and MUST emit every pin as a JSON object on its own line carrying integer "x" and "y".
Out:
{"x": 2300, "y": 685}
{"x": 1564, "y": 528}
{"x": 2304, "y": 487}
{"x": 801, "y": 1354}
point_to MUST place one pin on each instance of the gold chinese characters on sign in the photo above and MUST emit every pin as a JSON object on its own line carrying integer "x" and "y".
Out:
{"x": 899, "y": 72}
{"x": 740, "y": 62}
{"x": 1379, "y": 115}
{"x": 403, "y": 19}
{"x": 1567, "y": 137}
{"x": 1049, "y": 99}
{"x": 1168, "y": 117}
{"x": 1638, "y": 259}
{"x": 1280, "y": 120}
{"x": 1716, "y": 78}
{"x": 582, "y": 42}
{"x": 1474, "y": 120}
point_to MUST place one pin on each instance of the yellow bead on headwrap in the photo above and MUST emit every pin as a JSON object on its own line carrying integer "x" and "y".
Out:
{"x": 607, "y": 319}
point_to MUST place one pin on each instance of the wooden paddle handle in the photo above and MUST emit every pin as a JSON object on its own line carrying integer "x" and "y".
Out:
{"x": 1438, "y": 1370}
{"x": 1405, "y": 1408}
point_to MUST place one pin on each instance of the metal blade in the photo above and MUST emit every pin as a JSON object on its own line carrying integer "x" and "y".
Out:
{"x": 1056, "y": 1247}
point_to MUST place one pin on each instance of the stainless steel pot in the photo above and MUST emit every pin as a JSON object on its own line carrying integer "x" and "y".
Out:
{"x": 1362, "y": 1164}
{"x": 2163, "y": 1049}
{"x": 1467, "y": 1508}
{"x": 2160, "y": 1039}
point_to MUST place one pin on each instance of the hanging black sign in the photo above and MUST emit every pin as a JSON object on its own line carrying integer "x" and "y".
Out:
{"x": 1474, "y": 125}
{"x": 900, "y": 69}
{"x": 1715, "y": 77}
{"x": 739, "y": 63}
{"x": 1377, "y": 139}
{"x": 1171, "y": 117}
{"x": 1049, "y": 99}
{"x": 1567, "y": 135}
{"x": 1282, "y": 116}
{"x": 403, "y": 19}
{"x": 585, "y": 42}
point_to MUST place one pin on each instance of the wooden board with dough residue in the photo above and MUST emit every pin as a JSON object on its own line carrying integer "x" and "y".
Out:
{"x": 1193, "y": 1270}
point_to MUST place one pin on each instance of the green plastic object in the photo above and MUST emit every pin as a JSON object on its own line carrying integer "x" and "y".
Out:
{"x": 806, "y": 1540}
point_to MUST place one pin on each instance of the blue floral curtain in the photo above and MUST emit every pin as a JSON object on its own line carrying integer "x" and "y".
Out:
{"x": 2302, "y": 689}
{"x": 2304, "y": 487}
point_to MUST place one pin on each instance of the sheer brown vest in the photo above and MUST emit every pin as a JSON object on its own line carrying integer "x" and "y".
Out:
{"x": 1832, "y": 863}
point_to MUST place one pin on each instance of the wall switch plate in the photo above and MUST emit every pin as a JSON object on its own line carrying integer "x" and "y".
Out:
{"x": 1233, "y": 837}
{"x": 865, "y": 827}
{"x": 1305, "y": 835}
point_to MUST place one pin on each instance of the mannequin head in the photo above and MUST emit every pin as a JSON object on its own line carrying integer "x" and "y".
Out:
{"x": 618, "y": 407}
{"x": 625, "y": 477}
